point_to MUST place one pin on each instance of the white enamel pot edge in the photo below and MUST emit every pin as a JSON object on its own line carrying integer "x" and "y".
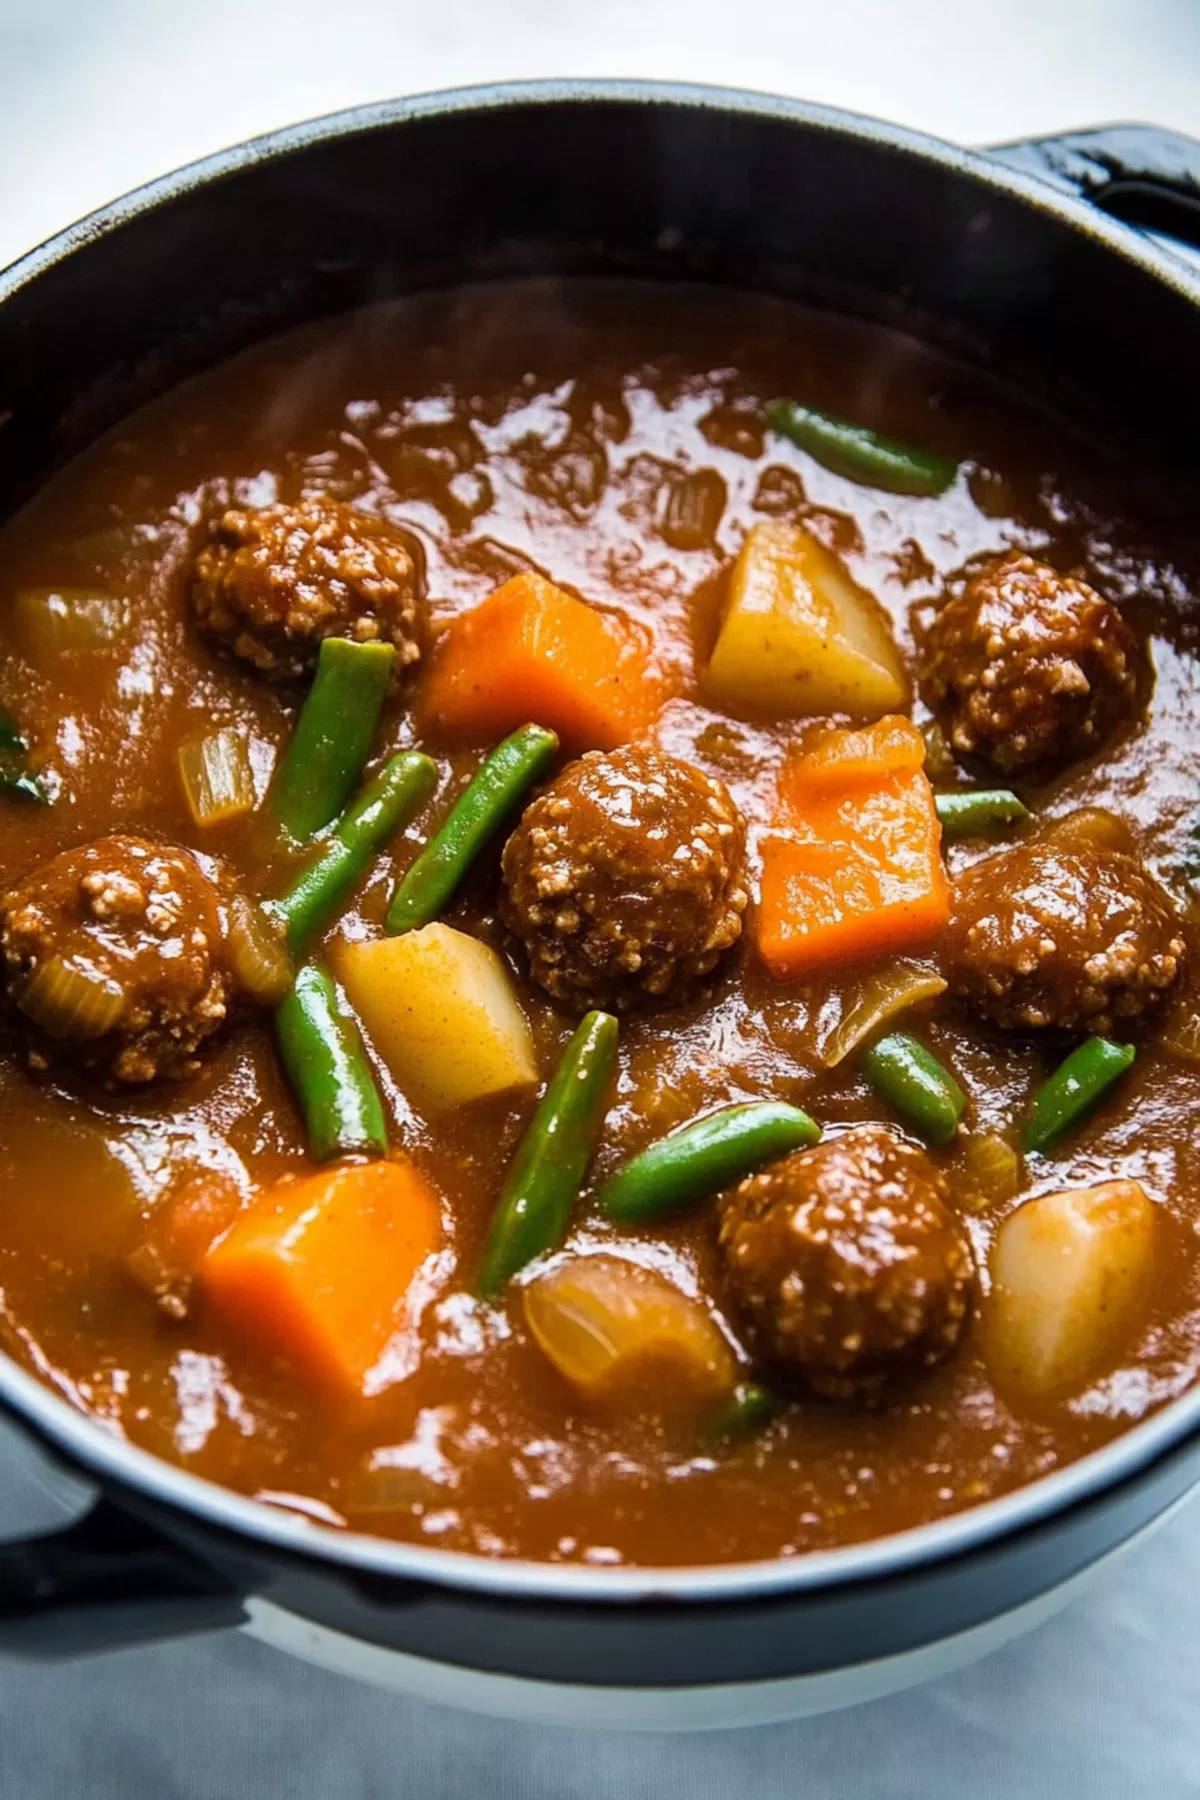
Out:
{"x": 721, "y": 1706}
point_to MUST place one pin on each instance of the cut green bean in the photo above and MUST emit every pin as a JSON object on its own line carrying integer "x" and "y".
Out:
{"x": 1074, "y": 1088}
{"x": 360, "y": 834}
{"x": 910, "y": 1079}
{"x": 861, "y": 455}
{"x": 322, "y": 1053}
{"x": 477, "y": 815}
{"x": 547, "y": 1171}
{"x": 333, "y": 735}
{"x": 747, "y": 1410}
{"x": 705, "y": 1157}
{"x": 15, "y": 777}
{"x": 982, "y": 810}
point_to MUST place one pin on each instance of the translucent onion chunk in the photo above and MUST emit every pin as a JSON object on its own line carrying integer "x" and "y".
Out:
{"x": 625, "y": 1335}
{"x": 50, "y": 620}
{"x": 218, "y": 781}
{"x": 992, "y": 1171}
{"x": 71, "y": 1000}
{"x": 258, "y": 953}
{"x": 881, "y": 996}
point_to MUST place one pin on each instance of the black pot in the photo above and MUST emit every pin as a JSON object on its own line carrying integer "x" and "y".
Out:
{"x": 1013, "y": 259}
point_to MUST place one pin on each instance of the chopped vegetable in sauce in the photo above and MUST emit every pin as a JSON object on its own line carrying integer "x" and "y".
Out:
{"x": 1075, "y": 1087}
{"x": 855, "y": 869}
{"x": 919, "y": 1089}
{"x": 863, "y": 455}
{"x": 547, "y": 1171}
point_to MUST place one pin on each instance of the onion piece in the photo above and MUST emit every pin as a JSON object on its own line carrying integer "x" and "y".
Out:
{"x": 257, "y": 949}
{"x": 880, "y": 997}
{"x": 218, "y": 781}
{"x": 1091, "y": 828}
{"x": 692, "y": 516}
{"x": 71, "y": 1001}
{"x": 53, "y": 619}
{"x": 940, "y": 765}
{"x": 1181, "y": 1037}
{"x": 623, "y": 1333}
{"x": 992, "y": 1171}
{"x": 1181, "y": 1026}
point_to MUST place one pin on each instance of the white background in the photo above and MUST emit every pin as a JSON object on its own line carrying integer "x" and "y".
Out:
{"x": 98, "y": 95}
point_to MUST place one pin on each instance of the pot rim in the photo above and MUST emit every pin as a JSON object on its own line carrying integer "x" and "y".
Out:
{"x": 89, "y": 1444}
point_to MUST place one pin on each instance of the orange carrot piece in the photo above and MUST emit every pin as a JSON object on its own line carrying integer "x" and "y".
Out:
{"x": 317, "y": 1270}
{"x": 891, "y": 746}
{"x": 530, "y": 651}
{"x": 858, "y": 872}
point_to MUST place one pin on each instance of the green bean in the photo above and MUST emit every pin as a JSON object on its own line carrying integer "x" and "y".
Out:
{"x": 748, "y": 1408}
{"x": 862, "y": 455}
{"x": 15, "y": 777}
{"x": 495, "y": 788}
{"x": 547, "y": 1171}
{"x": 1074, "y": 1088}
{"x": 704, "y": 1157}
{"x": 911, "y": 1080}
{"x": 322, "y": 1053}
{"x": 362, "y": 831}
{"x": 333, "y": 735}
{"x": 972, "y": 814}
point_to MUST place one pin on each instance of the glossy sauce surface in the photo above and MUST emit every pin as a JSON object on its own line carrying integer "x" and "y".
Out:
{"x": 547, "y": 428}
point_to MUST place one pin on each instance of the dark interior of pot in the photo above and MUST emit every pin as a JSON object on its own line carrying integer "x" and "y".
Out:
{"x": 598, "y": 835}
{"x": 766, "y": 199}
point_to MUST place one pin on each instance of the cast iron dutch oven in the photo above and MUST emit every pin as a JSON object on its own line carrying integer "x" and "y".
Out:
{"x": 1026, "y": 259}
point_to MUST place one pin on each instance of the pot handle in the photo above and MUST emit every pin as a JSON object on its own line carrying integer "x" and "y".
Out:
{"x": 106, "y": 1583}
{"x": 1137, "y": 173}
{"x": 101, "y": 1580}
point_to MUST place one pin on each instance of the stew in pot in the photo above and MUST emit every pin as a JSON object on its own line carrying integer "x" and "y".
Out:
{"x": 596, "y": 929}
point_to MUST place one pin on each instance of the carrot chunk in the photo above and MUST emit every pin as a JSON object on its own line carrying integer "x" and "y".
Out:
{"x": 856, "y": 869}
{"x": 530, "y": 651}
{"x": 842, "y": 759}
{"x": 318, "y": 1269}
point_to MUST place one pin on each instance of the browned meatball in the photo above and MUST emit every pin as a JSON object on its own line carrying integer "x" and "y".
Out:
{"x": 273, "y": 581}
{"x": 113, "y": 955}
{"x": 1047, "y": 935}
{"x": 1027, "y": 668}
{"x": 626, "y": 879}
{"x": 846, "y": 1264}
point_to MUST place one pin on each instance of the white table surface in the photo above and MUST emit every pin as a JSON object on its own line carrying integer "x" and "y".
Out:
{"x": 98, "y": 95}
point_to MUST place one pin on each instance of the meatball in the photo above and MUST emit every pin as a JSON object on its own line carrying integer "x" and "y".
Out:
{"x": 846, "y": 1264}
{"x": 113, "y": 957}
{"x": 273, "y": 581}
{"x": 1027, "y": 668}
{"x": 1049, "y": 935}
{"x": 625, "y": 880}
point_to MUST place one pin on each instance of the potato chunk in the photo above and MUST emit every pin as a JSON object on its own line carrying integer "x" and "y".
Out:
{"x": 440, "y": 1010}
{"x": 798, "y": 638}
{"x": 1070, "y": 1271}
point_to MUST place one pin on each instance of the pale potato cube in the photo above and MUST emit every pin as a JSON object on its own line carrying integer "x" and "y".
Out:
{"x": 440, "y": 1010}
{"x": 1070, "y": 1272}
{"x": 798, "y": 638}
